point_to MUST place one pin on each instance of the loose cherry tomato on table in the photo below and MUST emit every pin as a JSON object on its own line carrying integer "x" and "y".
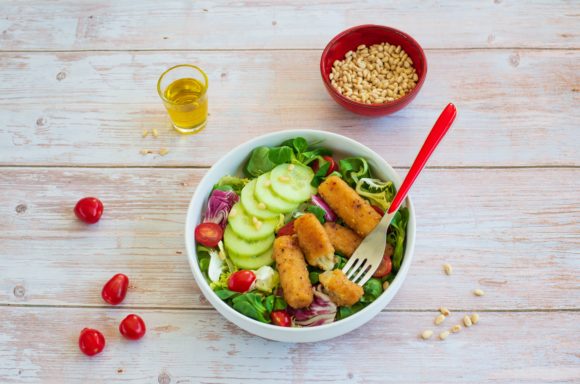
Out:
{"x": 286, "y": 230}
{"x": 89, "y": 210}
{"x": 333, "y": 167}
{"x": 281, "y": 318}
{"x": 386, "y": 264}
{"x": 241, "y": 281}
{"x": 91, "y": 341}
{"x": 208, "y": 234}
{"x": 379, "y": 210}
{"x": 115, "y": 290}
{"x": 132, "y": 327}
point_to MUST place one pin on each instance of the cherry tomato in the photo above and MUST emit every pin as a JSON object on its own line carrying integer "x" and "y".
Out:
{"x": 132, "y": 327}
{"x": 89, "y": 210}
{"x": 208, "y": 234}
{"x": 379, "y": 210}
{"x": 91, "y": 341}
{"x": 115, "y": 290}
{"x": 281, "y": 318}
{"x": 332, "y": 168}
{"x": 241, "y": 281}
{"x": 386, "y": 264}
{"x": 286, "y": 230}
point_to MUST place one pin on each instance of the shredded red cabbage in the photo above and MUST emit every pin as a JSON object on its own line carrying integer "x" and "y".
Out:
{"x": 321, "y": 311}
{"x": 328, "y": 214}
{"x": 219, "y": 205}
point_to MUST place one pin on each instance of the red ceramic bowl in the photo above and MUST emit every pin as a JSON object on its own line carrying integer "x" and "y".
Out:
{"x": 372, "y": 34}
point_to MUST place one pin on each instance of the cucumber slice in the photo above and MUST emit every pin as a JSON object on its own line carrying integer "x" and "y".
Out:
{"x": 292, "y": 182}
{"x": 244, "y": 248}
{"x": 252, "y": 206}
{"x": 252, "y": 262}
{"x": 265, "y": 194}
{"x": 243, "y": 224}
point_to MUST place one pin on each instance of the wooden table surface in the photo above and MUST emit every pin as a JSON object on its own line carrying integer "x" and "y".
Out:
{"x": 499, "y": 201}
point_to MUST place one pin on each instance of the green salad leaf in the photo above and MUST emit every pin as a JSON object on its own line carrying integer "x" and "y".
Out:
{"x": 373, "y": 287}
{"x": 264, "y": 159}
{"x": 344, "y": 312}
{"x": 298, "y": 144}
{"x": 274, "y": 303}
{"x": 397, "y": 234}
{"x": 353, "y": 169}
{"x": 281, "y": 155}
{"x": 340, "y": 261}
{"x": 314, "y": 277}
{"x": 379, "y": 193}
{"x": 251, "y": 305}
{"x": 318, "y": 212}
{"x": 390, "y": 277}
{"x": 231, "y": 183}
{"x": 225, "y": 294}
{"x": 320, "y": 175}
{"x": 259, "y": 162}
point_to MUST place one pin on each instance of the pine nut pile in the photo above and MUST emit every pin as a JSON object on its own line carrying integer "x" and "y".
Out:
{"x": 373, "y": 75}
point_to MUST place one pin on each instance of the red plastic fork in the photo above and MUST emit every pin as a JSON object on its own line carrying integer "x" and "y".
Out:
{"x": 367, "y": 257}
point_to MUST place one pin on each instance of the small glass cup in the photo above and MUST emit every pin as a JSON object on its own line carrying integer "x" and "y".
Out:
{"x": 183, "y": 89}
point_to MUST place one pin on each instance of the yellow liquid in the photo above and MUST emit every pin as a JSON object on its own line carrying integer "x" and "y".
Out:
{"x": 188, "y": 104}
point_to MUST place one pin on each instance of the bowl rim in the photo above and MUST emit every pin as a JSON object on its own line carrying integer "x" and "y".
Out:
{"x": 400, "y": 101}
{"x": 290, "y": 333}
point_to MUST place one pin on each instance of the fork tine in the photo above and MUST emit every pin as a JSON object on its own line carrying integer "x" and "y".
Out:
{"x": 356, "y": 270}
{"x": 366, "y": 277}
{"x": 362, "y": 273}
{"x": 348, "y": 267}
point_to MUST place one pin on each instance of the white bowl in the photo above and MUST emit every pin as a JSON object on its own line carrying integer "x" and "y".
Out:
{"x": 232, "y": 164}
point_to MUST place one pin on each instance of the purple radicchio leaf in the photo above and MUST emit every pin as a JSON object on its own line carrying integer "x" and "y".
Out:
{"x": 321, "y": 311}
{"x": 219, "y": 205}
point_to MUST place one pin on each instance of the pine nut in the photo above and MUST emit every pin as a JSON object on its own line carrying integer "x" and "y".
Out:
{"x": 467, "y": 321}
{"x": 474, "y": 318}
{"x": 443, "y": 335}
{"x": 478, "y": 292}
{"x": 155, "y": 133}
{"x": 439, "y": 319}
{"x": 456, "y": 328}
{"x": 163, "y": 151}
{"x": 386, "y": 285}
{"x": 427, "y": 334}
{"x": 444, "y": 311}
{"x": 257, "y": 223}
{"x": 145, "y": 133}
{"x": 447, "y": 268}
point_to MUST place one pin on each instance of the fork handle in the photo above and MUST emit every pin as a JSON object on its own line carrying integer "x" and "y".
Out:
{"x": 439, "y": 130}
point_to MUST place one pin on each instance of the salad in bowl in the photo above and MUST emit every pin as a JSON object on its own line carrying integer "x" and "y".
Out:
{"x": 268, "y": 238}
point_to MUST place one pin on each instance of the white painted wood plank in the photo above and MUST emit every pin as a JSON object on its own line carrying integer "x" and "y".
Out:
{"x": 40, "y": 345}
{"x": 494, "y": 226}
{"x": 39, "y": 25}
{"x": 516, "y": 108}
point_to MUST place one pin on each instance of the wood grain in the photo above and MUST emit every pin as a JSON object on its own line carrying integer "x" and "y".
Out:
{"x": 201, "y": 347}
{"x": 125, "y": 25}
{"x": 91, "y": 108}
{"x": 493, "y": 225}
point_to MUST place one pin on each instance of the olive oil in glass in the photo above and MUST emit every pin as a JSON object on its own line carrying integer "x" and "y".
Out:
{"x": 183, "y": 89}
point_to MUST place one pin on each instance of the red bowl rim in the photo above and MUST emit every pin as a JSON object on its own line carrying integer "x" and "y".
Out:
{"x": 402, "y": 100}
